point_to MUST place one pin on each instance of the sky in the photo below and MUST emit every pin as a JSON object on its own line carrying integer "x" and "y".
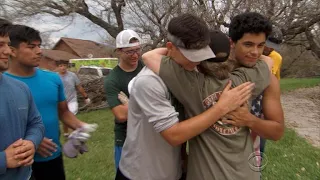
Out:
{"x": 73, "y": 27}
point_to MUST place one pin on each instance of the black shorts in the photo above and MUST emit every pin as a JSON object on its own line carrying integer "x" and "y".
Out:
{"x": 120, "y": 176}
{"x": 48, "y": 170}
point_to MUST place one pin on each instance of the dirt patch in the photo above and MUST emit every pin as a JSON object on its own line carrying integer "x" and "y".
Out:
{"x": 302, "y": 112}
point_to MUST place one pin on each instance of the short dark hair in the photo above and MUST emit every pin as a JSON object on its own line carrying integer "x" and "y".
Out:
{"x": 191, "y": 30}
{"x": 59, "y": 62}
{"x": 133, "y": 40}
{"x": 249, "y": 22}
{"x": 4, "y": 27}
{"x": 21, "y": 33}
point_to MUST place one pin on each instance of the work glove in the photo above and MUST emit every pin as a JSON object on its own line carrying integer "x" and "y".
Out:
{"x": 77, "y": 139}
{"x": 123, "y": 98}
{"x": 87, "y": 101}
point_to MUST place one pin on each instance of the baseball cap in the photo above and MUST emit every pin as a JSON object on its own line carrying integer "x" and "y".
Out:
{"x": 124, "y": 37}
{"x": 220, "y": 45}
{"x": 275, "y": 39}
{"x": 194, "y": 55}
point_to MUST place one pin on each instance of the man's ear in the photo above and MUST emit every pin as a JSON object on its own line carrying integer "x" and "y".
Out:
{"x": 232, "y": 43}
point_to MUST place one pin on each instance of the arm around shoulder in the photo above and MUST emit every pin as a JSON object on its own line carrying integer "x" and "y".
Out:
{"x": 152, "y": 59}
{"x": 258, "y": 74}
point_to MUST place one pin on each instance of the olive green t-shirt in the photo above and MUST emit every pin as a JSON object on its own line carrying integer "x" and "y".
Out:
{"x": 222, "y": 151}
{"x": 117, "y": 81}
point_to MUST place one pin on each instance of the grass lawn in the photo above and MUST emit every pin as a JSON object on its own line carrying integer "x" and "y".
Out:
{"x": 291, "y": 84}
{"x": 288, "y": 159}
{"x": 292, "y": 158}
{"x": 98, "y": 163}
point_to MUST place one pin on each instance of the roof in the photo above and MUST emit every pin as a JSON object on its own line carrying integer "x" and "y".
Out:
{"x": 85, "y": 48}
{"x": 58, "y": 55}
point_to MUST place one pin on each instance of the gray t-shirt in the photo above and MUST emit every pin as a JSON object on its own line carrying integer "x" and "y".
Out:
{"x": 222, "y": 151}
{"x": 70, "y": 81}
{"x": 146, "y": 154}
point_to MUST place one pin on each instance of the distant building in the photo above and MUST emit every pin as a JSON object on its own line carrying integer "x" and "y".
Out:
{"x": 83, "y": 48}
{"x": 69, "y": 48}
{"x": 50, "y": 57}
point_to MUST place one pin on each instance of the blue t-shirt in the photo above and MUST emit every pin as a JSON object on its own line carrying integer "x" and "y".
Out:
{"x": 47, "y": 90}
{"x": 19, "y": 118}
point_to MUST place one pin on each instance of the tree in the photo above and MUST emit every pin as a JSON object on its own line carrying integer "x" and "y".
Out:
{"x": 150, "y": 17}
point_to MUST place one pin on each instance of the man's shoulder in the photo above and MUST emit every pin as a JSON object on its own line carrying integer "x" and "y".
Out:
{"x": 70, "y": 73}
{"x": 10, "y": 81}
{"x": 275, "y": 55}
{"x": 48, "y": 77}
{"x": 111, "y": 78}
{"x": 275, "y": 52}
{"x": 146, "y": 72}
{"x": 45, "y": 74}
{"x": 72, "y": 76}
{"x": 147, "y": 77}
{"x": 114, "y": 73}
{"x": 115, "y": 70}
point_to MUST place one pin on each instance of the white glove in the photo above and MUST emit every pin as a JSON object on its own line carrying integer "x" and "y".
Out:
{"x": 87, "y": 101}
{"x": 123, "y": 98}
{"x": 82, "y": 134}
{"x": 89, "y": 127}
{"x": 79, "y": 136}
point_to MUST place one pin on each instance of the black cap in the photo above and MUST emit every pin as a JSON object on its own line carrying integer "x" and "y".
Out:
{"x": 220, "y": 45}
{"x": 275, "y": 39}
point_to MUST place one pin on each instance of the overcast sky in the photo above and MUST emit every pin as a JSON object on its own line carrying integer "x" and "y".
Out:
{"x": 72, "y": 27}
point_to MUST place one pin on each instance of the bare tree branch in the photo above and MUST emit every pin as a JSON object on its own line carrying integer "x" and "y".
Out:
{"x": 150, "y": 18}
{"x": 314, "y": 44}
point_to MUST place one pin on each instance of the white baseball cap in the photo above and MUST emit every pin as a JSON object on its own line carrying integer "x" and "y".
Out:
{"x": 194, "y": 55}
{"x": 124, "y": 37}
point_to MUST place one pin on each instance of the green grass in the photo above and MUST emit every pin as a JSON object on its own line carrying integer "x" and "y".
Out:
{"x": 98, "y": 163}
{"x": 288, "y": 159}
{"x": 291, "y": 158}
{"x": 291, "y": 84}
